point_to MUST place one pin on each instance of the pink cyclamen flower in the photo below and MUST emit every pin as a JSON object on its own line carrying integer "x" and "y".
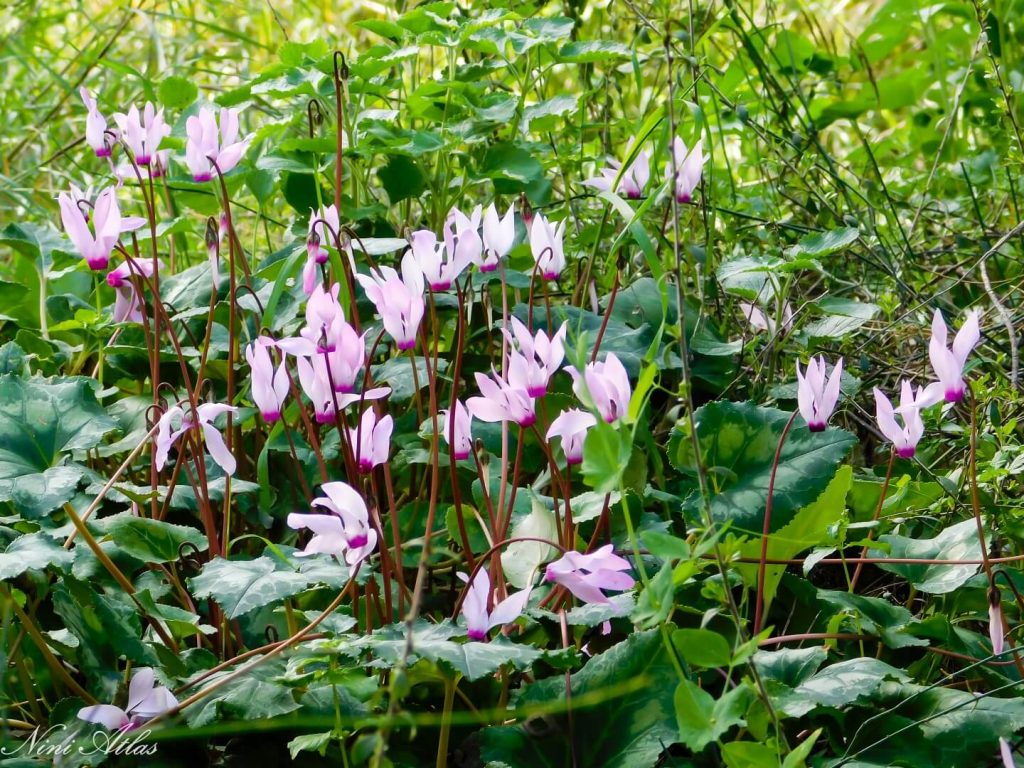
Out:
{"x": 122, "y": 275}
{"x": 572, "y": 427}
{"x": 996, "y": 626}
{"x": 586, "y": 575}
{"x": 462, "y": 240}
{"x": 316, "y": 381}
{"x": 144, "y": 133}
{"x": 459, "y": 433}
{"x": 546, "y": 246}
{"x": 633, "y": 179}
{"x": 159, "y": 164}
{"x": 208, "y": 145}
{"x": 167, "y": 434}
{"x": 501, "y": 401}
{"x": 904, "y": 439}
{"x": 371, "y": 440}
{"x": 480, "y": 621}
{"x": 499, "y": 235}
{"x": 215, "y": 240}
{"x": 95, "y": 126}
{"x": 324, "y": 226}
{"x": 347, "y": 358}
{"x": 1006, "y": 754}
{"x": 439, "y": 264}
{"x": 345, "y": 532}
{"x": 759, "y": 321}
{"x": 816, "y": 398}
{"x": 269, "y": 386}
{"x": 324, "y": 318}
{"x": 128, "y": 305}
{"x": 96, "y": 244}
{"x": 534, "y": 359}
{"x": 687, "y": 165}
{"x": 604, "y": 386}
{"x": 146, "y": 700}
{"x": 399, "y": 300}
{"x": 947, "y": 363}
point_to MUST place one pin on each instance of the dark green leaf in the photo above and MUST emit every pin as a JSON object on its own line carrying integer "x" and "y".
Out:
{"x": 738, "y": 442}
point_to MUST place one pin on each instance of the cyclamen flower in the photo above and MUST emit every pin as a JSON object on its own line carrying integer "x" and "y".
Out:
{"x": 501, "y": 401}
{"x": 207, "y": 145}
{"x": 371, "y": 440}
{"x": 633, "y": 179}
{"x": 128, "y": 306}
{"x": 546, "y": 246}
{"x": 439, "y": 264}
{"x": 816, "y": 398}
{"x": 324, "y": 225}
{"x": 399, "y": 300}
{"x": 499, "y": 235}
{"x": 215, "y": 239}
{"x": 1006, "y": 753}
{"x": 949, "y": 363}
{"x": 572, "y": 426}
{"x": 586, "y": 575}
{"x": 345, "y": 532}
{"x": 759, "y": 321}
{"x": 996, "y": 626}
{"x": 480, "y": 621}
{"x": 604, "y": 386}
{"x": 95, "y": 126}
{"x": 269, "y": 386}
{"x": 462, "y": 439}
{"x": 324, "y": 318}
{"x": 143, "y": 135}
{"x": 688, "y": 165}
{"x": 315, "y": 380}
{"x": 462, "y": 240}
{"x": 534, "y": 359}
{"x": 347, "y": 358}
{"x": 146, "y": 700}
{"x": 167, "y": 435}
{"x": 904, "y": 439}
{"x": 107, "y": 224}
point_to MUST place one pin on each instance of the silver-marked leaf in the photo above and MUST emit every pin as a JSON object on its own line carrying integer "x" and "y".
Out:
{"x": 32, "y": 552}
{"x": 240, "y": 586}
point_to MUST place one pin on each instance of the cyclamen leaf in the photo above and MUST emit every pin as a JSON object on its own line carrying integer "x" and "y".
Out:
{"x": 630, "y": 723}
{"x": 240, "y": 586}
{"x": 957, "y": 542}
{"x": 824, "y": 243}
{"x": 876, "y": 616}
{"x": 951, "y": 727}
{"x": 153, "y": 541}
{"x": 472, "y": 660}
{"x": 41, "y": 422}
{"x": 32, "y": 552}
{"x": 738, "y": 442}
{"x": 847, "y": 681}
{"x": 252, "y": 697}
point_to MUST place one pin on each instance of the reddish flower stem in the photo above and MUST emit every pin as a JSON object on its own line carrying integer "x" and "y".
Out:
{"x": 875, "y": 517}
{"x": 759, "y": 605}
